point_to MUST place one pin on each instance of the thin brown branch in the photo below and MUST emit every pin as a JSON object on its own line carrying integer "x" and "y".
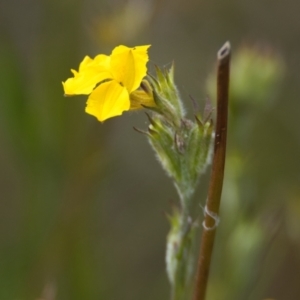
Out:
{"x": 216, "y": 182}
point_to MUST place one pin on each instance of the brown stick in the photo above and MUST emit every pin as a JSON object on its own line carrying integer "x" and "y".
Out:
{"x": 211, "y": 218}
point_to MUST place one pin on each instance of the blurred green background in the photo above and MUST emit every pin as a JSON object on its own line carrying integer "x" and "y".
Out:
{"x": 81, "y": 203}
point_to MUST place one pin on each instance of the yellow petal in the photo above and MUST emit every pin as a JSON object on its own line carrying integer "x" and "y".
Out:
{"x": 86, "y": 62}
{"x": 91, "y": 72}
{"x": 128, "y": 65}
{"x": 108, "y": 100}
{"x": 139, "y": 99}
{"x": 103, "y": 60}
{"x": 100, "y": 61}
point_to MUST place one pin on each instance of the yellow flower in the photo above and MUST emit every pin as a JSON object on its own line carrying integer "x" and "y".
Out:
{"x": 109, "y": 81}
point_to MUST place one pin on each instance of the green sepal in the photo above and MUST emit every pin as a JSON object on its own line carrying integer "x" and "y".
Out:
{"x": 166, "y": 96}
{"x": 162, "y": 140}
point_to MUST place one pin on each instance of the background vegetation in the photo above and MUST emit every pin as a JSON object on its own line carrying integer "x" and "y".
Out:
{"x": 81, "y": 202}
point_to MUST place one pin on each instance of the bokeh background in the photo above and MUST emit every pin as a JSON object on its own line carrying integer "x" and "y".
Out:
{"x": 82, "y": 203}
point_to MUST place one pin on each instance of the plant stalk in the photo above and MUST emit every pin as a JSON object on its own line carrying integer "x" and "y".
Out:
{"x": 211, "y": 218}
{"x": 182, "y": 286}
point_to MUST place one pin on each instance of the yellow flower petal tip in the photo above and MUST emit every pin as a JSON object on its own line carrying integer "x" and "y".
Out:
{"x": 110, "y": 80}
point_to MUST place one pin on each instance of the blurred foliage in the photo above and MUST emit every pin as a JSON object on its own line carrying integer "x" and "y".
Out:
{"x": 81, "y": 202}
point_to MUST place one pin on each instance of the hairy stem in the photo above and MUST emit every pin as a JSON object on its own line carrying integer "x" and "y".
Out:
{"x": 181, "y": 282}
{"x": 216, "y": 182}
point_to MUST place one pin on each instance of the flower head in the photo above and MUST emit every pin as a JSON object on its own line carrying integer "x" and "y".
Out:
{"x": 110, "y": 80}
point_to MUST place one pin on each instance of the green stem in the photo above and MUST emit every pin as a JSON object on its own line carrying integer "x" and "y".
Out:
{"x": 182, "y": 283}
{"x": 217, "y": 174}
